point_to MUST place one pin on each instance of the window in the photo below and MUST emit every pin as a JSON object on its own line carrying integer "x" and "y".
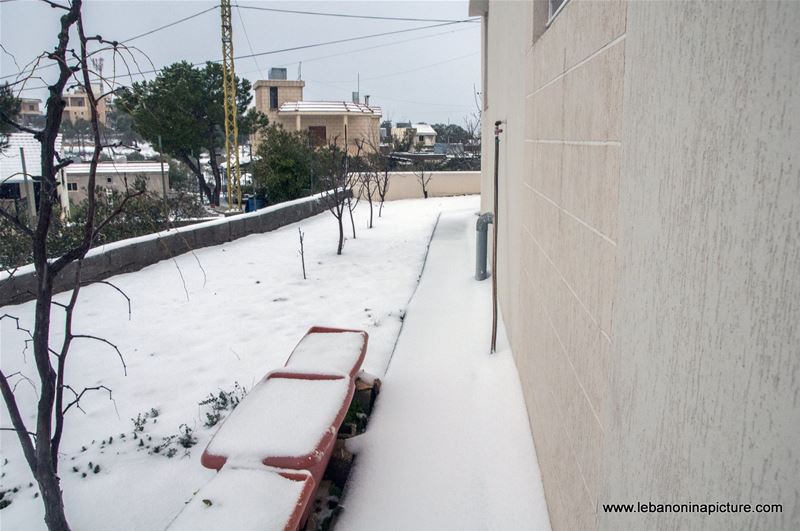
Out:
{"x": 318, "y": 134}
{"x": 31, "y": 107}
{"x": 108, "y": 180}
{"x": 421, "y": 139}
{"x": 554, "y": 8}
{"x": 77, "y": 102}
{"x": 72, "y": 187}
{"x": 273, "y": 97}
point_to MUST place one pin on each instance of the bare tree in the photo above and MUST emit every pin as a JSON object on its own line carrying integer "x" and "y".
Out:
{"x": 472, "y": 124}
{"x": 40, "y": 443}
{"x": 381, "y": 166}
{"x": 333, "y": 176}
{"x": 366, "y": 175}
{"x": 423, "y": 177}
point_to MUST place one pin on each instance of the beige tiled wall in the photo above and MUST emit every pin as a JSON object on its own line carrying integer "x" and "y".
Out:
{"x": 562, "y": 164}
{"x": 573, "y": 101}
{"x": 648, "y": 249}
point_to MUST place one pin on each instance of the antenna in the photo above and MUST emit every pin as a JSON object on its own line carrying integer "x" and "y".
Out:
{"x": 300, "y": 70}
{"x": 97, "y": 62}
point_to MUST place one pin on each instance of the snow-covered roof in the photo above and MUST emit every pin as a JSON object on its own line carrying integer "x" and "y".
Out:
{"x": 328, "y": 107}
{"x": 116, "y": 168}
{"x": 424, "y": 130}
{"x": 11, "y": 163}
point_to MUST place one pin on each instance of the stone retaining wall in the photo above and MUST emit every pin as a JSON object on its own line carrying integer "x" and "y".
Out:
{"x": 136, "y": 253}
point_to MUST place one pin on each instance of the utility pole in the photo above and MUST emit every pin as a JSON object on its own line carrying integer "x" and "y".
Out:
{"x": 233, "y": 174}
{"x": 163, "y": 180}
{"x": 28, "y": 189}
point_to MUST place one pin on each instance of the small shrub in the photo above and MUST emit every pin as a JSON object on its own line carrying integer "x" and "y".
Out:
{"x": 221, "y": 403}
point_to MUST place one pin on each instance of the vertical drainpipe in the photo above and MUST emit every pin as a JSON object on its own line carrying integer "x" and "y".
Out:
{"x": 481, "y": 232}
{"x": 497, "y": 132}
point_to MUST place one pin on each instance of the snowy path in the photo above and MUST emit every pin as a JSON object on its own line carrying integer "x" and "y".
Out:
{"x": 448, "y": 446}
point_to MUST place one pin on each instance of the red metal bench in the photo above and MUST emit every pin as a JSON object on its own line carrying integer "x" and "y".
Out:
{"x": 289, "y": 420}
{"x": 275, "y": 500}
{"x": 327, "y": 350}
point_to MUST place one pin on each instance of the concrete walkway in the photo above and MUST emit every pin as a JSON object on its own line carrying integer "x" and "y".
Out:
{"x": 448, "y": 446}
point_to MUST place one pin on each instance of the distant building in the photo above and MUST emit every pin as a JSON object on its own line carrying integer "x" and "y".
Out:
{"x": 30, "y": 107}
{"x": 113, "y": 176}
{"x": 77, "y": 105}
{"x": 423, "y": 135}
{"x": 282, "y": 101}
{"x": 16, "y": 185}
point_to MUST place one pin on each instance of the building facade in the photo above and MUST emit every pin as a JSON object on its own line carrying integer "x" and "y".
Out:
{"x": 325, "y": 121}
{"x": 77, "y": 105}
{"x": 649, "y": 242}
{"x": 30, "y": 107}
{"x": 423, "y": 136}
{"x": 115, "y": 176}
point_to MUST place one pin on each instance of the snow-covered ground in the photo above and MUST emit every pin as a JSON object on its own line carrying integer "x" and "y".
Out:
{"x": 449, "y": 436}
{"x": 448, "y": 445}
{"x": 232, "y": 324}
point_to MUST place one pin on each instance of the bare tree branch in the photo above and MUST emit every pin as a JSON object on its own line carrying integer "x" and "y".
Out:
{"x": 107, "y": 342}
{"x": 78, "y": 396}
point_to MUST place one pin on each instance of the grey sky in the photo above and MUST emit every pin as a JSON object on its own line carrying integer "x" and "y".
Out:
{"x": 394, "y": 69}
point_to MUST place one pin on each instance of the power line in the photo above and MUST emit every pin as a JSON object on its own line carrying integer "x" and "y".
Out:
{"x": 345, "y": 15}
{"x": 302, "y": 47}
{"x": 374, "y": 46}
{"x": 135, "y": 37}
{"x": 423, "y": 67}
{"x": 165, "y": 26}
{"x": 350, "y": 39}
{"x": 247, "y": 38}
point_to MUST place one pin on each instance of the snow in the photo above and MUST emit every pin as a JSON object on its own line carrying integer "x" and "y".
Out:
{"x": 280, "y": 417}
{"x": 326, "y": 352}
{"x": 195, "y": 331}
{"x": 448, "y": 445}
{"x": 267, "y": 504}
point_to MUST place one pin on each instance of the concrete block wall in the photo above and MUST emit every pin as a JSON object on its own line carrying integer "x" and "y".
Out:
{"x": 406, "y": 185}
{"x": 134, "y": 254}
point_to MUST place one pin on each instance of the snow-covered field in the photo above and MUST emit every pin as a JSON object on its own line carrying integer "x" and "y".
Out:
{"x": 198, "y": 330}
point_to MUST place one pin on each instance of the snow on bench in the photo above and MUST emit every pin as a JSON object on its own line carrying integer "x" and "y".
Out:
{"x": 289, "y": 420}
{"x": 330, "y": 350}
{"x": 249, "y": 500}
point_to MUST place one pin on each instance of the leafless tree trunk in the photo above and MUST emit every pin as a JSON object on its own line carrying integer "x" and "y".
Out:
{"x": 367, "y": 175}
{"x": 198, "y": 172}
{"x": 40, "y": 443}
{"x": 212, "y": 161}
{"x": 380, "y": 166}
{"x": 423, "y": 177}
{"x": 333, "y": 174}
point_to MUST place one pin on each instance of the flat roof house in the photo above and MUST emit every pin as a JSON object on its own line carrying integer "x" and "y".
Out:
{"x": 424, "y": 136}
{"x": 282, "y": 101}
{"x": 114, "y": 176}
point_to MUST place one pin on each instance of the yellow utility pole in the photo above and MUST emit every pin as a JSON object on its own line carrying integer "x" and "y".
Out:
{"x": 229, "y": 91}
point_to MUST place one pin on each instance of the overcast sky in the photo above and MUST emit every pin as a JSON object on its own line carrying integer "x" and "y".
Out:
{"x": 426, "y": 75}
